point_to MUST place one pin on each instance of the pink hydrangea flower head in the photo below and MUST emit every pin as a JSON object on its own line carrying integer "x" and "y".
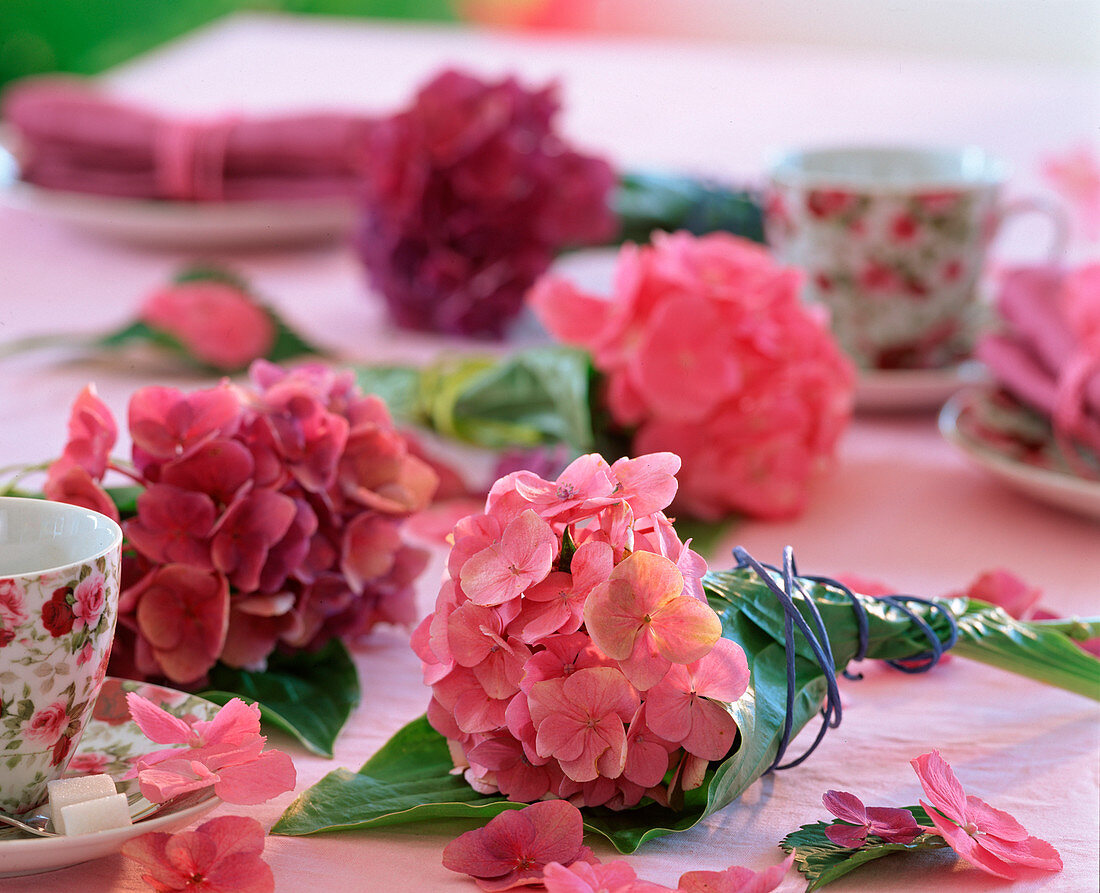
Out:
{"x": 892, "y": 825}
{"x": 736, "y": 879}
{"x": 217, "y": 323}
{"x": 642, "y": 618}
{"x": 219, "y": 856}
{"x": 708, "y": 352}
{"x": 515, "y": 847}
{"x": 986, "y": 837}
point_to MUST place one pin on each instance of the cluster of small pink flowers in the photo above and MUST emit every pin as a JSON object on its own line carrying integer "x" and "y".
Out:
{"x": 469, "y": 193}
{"x": 572, "y": 652}
{"x": 268, "y": 516}
{"x": 707, "y": 351}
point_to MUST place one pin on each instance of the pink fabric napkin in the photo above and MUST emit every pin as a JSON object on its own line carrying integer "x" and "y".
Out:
{"x": 1048, "y": 354}
{"x": 72, "y": 137}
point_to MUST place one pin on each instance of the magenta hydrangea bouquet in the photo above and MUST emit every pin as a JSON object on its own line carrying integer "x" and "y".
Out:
{"x": 580, "y": 649}
{"x": 262, "y": 522}
{"x": 468, "y": 194}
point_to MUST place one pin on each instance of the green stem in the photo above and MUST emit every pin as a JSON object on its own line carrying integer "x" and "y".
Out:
{"x": 1080, "y": 629}
{"x": 37, "y": 342}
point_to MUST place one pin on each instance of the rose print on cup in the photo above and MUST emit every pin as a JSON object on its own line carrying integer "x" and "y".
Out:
{"x": 89, "y": 600}
{"x": 47, "y": 725}
{"x": 12, "y": 605}
{"x": 57, "y": 613}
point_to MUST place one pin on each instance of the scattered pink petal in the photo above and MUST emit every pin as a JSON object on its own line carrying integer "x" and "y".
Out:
{"x": 986, "y": 837}
{"x": 736, "y": 879}
{"x": 225, "y": 753}
{"x": 219, "y": 856}
{"x": 608, "y": 877}
{"x": 514, "y": 847}
{"x": 893, "y": 825}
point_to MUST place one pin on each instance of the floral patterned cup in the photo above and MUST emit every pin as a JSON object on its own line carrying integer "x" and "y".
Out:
{"x": 893, "y": 242}
{"x": 59, "y": 581}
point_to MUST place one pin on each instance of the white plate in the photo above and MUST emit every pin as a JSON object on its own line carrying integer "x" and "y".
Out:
{"x": 1055, "y": 488}
{"x": 182, "y": 225}
{"x": 913, "y": 390}
{"x": 111, "y": 742}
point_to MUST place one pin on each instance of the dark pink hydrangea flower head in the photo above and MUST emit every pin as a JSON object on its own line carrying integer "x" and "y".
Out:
{"x": 468, "y": 195}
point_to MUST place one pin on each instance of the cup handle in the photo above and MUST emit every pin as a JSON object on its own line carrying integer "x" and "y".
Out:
{"x": 1052, "y": 210}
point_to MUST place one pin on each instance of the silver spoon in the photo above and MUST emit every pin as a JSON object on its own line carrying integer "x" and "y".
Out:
{"x": 41, "y": 825}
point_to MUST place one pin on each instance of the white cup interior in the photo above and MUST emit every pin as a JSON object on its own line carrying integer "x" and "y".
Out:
{"x": 871, "y": 167}
{"x": 37, "y": 535}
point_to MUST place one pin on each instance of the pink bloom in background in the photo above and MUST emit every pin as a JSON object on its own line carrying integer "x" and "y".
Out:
{"x": 219, "y": 856}
{"x": 568, "y": 605}
{"x": 708, "y": 352}
{"x": 269, "y": 515}
{"x": 735, "y": 879}
{"x": 225, "y": 753}
{"x": 988, "y": 838}
{"x": 469, "y": 194}
{"x": 514, "y": 847}
{"x": 1075, "y": 174}
{"x": 892, "y": 825}
{"x": 216, "y": 322}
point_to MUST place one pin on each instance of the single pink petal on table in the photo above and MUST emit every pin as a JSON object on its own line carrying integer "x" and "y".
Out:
{"x": 736, "y": 879}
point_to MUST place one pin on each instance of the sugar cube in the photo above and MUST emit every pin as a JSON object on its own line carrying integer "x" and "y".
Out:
{"x": 100, "y": 814}
{"x": 66, "y": 791}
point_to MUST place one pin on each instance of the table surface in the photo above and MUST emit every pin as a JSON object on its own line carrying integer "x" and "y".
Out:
{"x": 900, "y": 504}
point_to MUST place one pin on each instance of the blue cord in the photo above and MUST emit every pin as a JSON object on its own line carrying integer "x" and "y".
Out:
{"x": 819, "y": 642}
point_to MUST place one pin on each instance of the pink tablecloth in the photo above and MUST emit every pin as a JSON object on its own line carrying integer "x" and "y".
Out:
{"x": 900, "y": 504}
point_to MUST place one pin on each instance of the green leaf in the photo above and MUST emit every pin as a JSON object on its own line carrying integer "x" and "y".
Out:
{"x": 648, "y": 200}
{"x": 398, "y": 386}
{"x": 988, "y": 634}
{"x": 288, "y": 344}
{"x": 408, "y": 780}
{"x": 538, "y": 396}
{"x": 821, "y": 861}
{"x": 309, "y": 695}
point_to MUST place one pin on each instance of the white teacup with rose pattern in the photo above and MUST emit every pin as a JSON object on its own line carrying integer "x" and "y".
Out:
{"x": 59, "y": 582}
{"x": 893, "y": 241}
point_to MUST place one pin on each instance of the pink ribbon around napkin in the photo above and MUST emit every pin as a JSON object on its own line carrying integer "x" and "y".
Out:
{"x": 1048, "y": 354}
{"x": 74, "y": 138}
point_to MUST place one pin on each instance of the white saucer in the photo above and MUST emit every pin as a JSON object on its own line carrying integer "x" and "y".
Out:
{"x": 182, "y": 225}
{"x": 913, "y": 390}
{"x": 1056, "y": 488}
{"x": 111, "y": 742}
